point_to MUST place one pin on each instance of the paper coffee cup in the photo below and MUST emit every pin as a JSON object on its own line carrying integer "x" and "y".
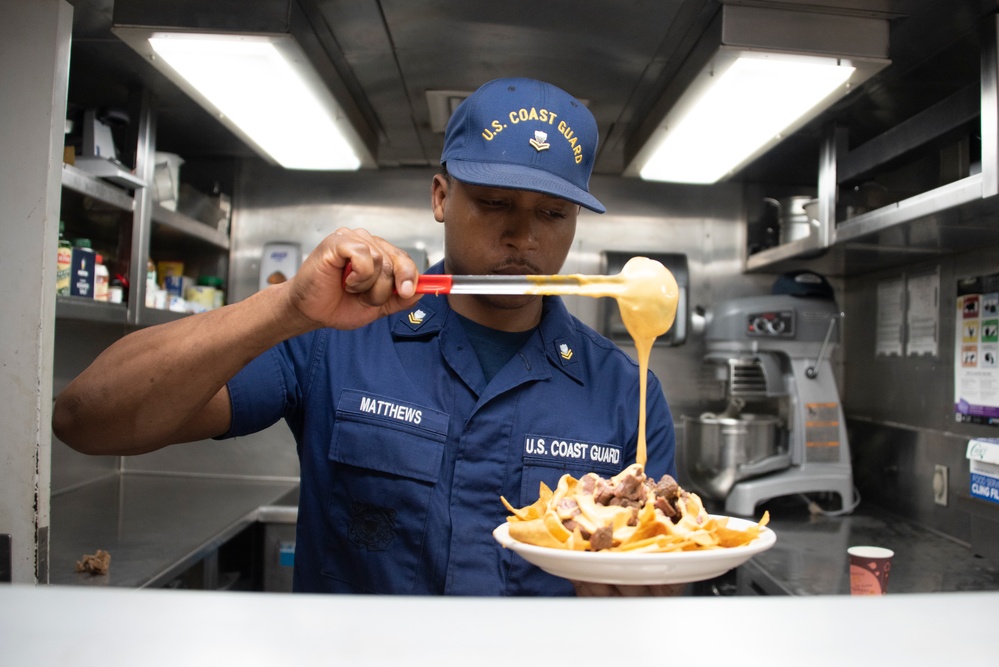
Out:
{"x": 869, "y": 570}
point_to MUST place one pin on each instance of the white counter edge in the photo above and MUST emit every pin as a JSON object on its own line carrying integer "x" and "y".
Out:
{"x": 70, "y": 626}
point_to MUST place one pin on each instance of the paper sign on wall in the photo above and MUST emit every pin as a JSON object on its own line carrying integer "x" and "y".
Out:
{"x": 890, "y": 314}
{"x": 922, "y": 314}
{"x": 976, "y": 351}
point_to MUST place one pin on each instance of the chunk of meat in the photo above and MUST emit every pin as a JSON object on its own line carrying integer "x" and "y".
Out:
{"x": 602, "y": 538}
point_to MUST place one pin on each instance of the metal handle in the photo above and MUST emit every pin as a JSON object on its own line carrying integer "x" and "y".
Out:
{"x": 812, "y": 371}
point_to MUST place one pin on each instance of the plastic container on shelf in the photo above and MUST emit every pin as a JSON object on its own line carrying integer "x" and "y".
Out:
{"x": 216, "y": 283}
{"x": 166, "y": 179}
{"x": 151, "y": 280}
{"x": 153, "y": 286}
{"x": 118, "y": 289}
{"x": 207, "y": 293}
{"x": 171, "y": 277}
{"x": 102, "y": 279}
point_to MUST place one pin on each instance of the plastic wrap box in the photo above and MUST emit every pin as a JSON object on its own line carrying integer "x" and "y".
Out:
{"x": 983, "y": 461}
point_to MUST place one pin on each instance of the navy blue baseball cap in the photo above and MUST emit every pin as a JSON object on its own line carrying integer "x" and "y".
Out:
{"x": 525, "y": 135}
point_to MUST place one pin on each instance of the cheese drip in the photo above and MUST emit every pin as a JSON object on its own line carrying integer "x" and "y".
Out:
{"x": 647, "y": 295}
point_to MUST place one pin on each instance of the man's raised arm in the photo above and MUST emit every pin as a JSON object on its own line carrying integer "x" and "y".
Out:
{"x": 167, "y": 384}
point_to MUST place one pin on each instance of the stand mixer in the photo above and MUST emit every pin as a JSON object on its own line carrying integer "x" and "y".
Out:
{"x": 783, "y": 431}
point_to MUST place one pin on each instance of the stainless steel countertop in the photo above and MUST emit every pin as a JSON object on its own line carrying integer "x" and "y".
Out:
{"x": 154, "y": 526}
{"x": 810, "y": 556}
{"x": 58, "y": 625}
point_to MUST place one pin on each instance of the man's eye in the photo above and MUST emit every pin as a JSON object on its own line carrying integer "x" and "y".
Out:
{"x": 555, "y": 214}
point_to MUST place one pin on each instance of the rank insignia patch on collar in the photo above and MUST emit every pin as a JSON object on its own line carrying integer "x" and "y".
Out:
{"x": 417, "y": 317}
{"x": 565, "y": 352}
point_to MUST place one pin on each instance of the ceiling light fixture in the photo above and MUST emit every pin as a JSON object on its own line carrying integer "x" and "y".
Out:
{"x": 263, "y": 87}
{"x": 256, "y": 85}
{"x": 767, "y": 73}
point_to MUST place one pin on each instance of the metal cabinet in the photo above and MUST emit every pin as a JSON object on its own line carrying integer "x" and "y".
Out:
{"x": 129, "y": 227}
{"x": 954, "y": 216}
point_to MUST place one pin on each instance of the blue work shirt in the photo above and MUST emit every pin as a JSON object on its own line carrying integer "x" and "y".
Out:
{"x": 405, "y": 449}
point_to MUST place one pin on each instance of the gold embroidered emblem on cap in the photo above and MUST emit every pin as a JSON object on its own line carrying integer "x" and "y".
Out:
{"x": 542, "y": 116}
{"x": 540, "y": 141}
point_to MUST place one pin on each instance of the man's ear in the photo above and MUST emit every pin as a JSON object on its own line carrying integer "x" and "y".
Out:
{"x": 438, "y": 196}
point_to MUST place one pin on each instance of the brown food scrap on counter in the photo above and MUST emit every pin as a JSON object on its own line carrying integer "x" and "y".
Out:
{"x": 97, "y": 563}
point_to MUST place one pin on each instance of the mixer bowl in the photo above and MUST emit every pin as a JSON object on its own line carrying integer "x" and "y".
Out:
{"x": 719, "y": 451}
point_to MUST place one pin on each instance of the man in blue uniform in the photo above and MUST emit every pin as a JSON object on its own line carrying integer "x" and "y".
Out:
{"x": 412, "y": 415}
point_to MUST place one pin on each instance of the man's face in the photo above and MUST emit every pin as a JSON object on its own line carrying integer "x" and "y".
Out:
{"x": 499, "y": 231}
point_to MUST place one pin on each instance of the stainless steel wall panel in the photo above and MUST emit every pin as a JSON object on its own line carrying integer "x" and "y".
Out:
{"x": 913, "y": 391}
{"x": 893, "y": 468}
{"x": 303, "y": 207}
{"x": 901, "y": 409}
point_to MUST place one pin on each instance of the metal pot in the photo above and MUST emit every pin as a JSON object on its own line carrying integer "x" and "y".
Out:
{"x": 794, "y": 215}
{"x": 720, "y": 450}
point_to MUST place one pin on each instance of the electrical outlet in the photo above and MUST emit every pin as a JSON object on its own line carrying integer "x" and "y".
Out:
{"x": 940, "y": 485}
{"x": 6, "y": 564}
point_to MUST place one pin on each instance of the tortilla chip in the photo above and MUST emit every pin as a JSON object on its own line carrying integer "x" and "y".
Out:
{"x": 534, "y": 532}
{"x": 533, "y": 511}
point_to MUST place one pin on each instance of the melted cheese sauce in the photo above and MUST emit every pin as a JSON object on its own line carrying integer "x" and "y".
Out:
{"x": 647, "y": 296}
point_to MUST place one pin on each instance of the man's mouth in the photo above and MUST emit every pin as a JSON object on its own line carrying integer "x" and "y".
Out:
{"x": 516, "y": 268}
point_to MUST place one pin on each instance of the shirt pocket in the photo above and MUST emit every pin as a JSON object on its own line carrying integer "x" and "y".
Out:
{"x": 386, "y": 463}
{"x": 546, "y": 459}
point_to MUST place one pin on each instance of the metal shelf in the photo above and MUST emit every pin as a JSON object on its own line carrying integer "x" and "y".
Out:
{"x": 948, "y": 219}
{"x": 189, "y": 227}
{"x": 966, "y": 193}
{"x": 774, "y": 258}
{"x": 88, "y": 310}
{"x": 152, "y": 316}
{"x": 80, "y": 181}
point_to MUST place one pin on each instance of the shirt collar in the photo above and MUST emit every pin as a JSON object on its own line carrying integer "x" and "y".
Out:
{"x": 559, "y": 335}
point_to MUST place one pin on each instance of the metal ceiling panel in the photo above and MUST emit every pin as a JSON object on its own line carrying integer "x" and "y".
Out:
{"x": 596, "y": 50}
{"x": 620, "y": 56}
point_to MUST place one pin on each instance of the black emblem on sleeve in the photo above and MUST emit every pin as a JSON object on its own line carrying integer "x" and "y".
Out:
{"x": 371, "y": 526}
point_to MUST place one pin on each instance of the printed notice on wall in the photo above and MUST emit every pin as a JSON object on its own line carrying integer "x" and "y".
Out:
{"x": 891, "y": 306}
{"x": 922, "y": 316}
{"x": 976, "y": 351}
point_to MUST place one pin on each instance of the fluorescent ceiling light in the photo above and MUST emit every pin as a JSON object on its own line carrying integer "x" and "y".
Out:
{"x": 739, "y": 108}
{"x": 263, "y": 86}
{"x": 753, "y": 77}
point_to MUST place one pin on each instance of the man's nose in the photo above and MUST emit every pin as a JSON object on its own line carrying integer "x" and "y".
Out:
{"x": 521, "y": 227}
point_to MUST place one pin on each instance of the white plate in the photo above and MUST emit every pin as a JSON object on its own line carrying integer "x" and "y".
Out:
{"x": 610, "y": 567}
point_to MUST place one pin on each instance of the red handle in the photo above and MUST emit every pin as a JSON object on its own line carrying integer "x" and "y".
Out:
{"x": 425, "y": 284}
{"x": 434, "y": 284}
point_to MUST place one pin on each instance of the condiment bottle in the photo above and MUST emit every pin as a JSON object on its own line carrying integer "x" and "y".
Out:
{"x": 101, "y": 279}
{"x": 152, "y": 283}
{"x": 64, "y": 262}
{"x": 116, "y": 290}
{"x": 81, "y": 278}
